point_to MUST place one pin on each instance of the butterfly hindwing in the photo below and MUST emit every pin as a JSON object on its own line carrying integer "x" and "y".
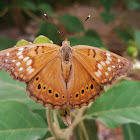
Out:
{"x": 102, "y": 65}
{"x": 82, "y": 88}
{"x": 25, "y": 61}
{"x": 48, "y": 86}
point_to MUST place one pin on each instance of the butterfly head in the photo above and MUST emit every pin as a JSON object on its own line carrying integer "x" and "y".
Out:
{"x": 66, "y": 50}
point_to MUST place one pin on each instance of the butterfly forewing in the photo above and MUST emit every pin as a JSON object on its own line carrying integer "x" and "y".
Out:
{"x": 102, "y": 65}
{"x": 25, "y": 61}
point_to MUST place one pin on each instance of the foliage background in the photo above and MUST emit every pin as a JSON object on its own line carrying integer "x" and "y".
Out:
{"x": 113, "y": 25}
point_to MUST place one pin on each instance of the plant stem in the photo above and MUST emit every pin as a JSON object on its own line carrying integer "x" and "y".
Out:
{"x": 50, "y": 123}
{"x": 84, "y": 130}
{"x": 58, "y": 133}
{"x": 56, "y": 120}
{"x": 80, "y": 134}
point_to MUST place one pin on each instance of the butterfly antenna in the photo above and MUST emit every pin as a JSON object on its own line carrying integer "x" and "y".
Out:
{"x": 80, "y": 25}
{"x": 48, "y": 18}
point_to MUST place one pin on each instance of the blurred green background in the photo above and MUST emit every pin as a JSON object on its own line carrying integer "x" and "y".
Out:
{"x": 114, "y": 25}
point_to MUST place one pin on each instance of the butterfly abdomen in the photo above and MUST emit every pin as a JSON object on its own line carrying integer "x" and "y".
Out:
{"x": 66, "y": 68}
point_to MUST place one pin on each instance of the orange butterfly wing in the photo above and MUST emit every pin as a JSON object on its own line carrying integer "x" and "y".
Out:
{"x": 82, "y": 88}
{"x": 39, "y": 65}
{"x": 25, "y": 61}
{"x": 48, "y": 86}
{"x": 102, "y": 65}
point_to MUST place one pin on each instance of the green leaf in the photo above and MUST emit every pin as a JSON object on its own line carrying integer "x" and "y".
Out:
{"x": 131, "y": 132}
{"x": 94, "y": 34}
{"x": 49, "y": 30}
{"x": 6, "y": 43}
{"x": 96, "y": 38}
{"x": 17, "y": 121}
{"x": 137, "y": 38}
{"x": 42, "y": 39}
{"x": 119, "y": 105}
{"x": 133, "y": 4}
{"x": 28, "y": 5}
{"x": 132, "y": 51}
{"x": 14, "y": 90}
{"x": 46, "y": 8}
{"x": 85, "y": 40}
{"x": 107, "y": 4}
{"x": 22, "y": 42}
{"x": 107, "y": 17}
{"x": 124, "y": 35}
{"x": 90, "y": 129}
{"x": 71, "y": 23}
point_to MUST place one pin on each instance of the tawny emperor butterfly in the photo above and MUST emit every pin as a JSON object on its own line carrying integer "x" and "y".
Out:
{"x": 60, "y": 76}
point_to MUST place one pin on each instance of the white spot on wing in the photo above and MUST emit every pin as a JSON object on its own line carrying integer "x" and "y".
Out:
{"x": 108, "y": 58}
{"x": 113, "y": 66}
{"x": 109, "y": 68}
{"x": 29, "y": 62}
{"x": 108, "y": 54}
{"x": 21, "y": 49}
{"x": 20, "y": 57}
{"x": 102, "y": 63}
{"x": 106, "y": 73}
{"x": 6, "y": 60}
{"x": 19, "y": 53}
{"x": 8, "y": 54}
{"x": 30, "y": 69}
{"x": 26, "y": 58}
{"x": 119, "y": 66}
{"x": 107, "y": 62}
{"x": 119, "y": 60}
{"x": 98, "y": 73}
{"x": 13, "y": 60}
{"x": 20, "y": 69}
{"x": 100, "y": 66}
{"x": 18, "y": 63}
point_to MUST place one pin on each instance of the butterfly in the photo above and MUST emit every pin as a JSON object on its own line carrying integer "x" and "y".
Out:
{"x": 63, "y": 76}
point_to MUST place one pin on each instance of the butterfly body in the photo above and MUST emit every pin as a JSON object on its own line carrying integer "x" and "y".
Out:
{"x": 66, "y": 64}
{"x": 60, "y": 76}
